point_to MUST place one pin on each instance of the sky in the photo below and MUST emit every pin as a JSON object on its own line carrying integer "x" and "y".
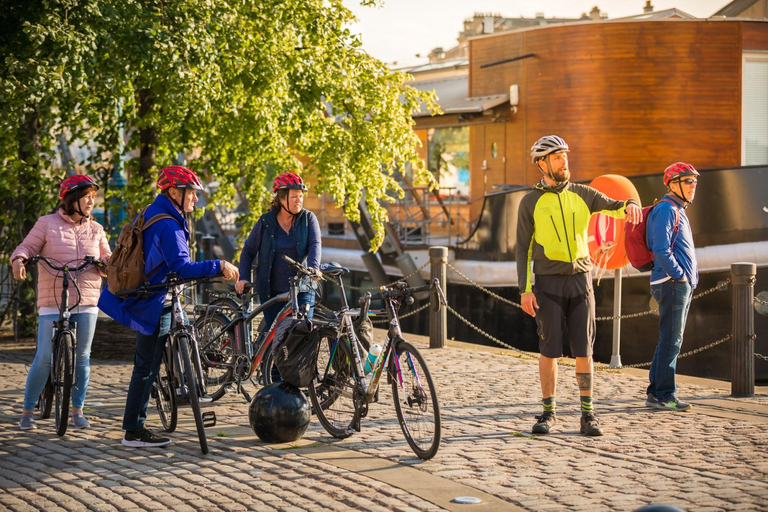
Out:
{"x": 400, "y": 29}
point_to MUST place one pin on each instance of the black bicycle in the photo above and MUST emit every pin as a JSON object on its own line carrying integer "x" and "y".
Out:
{"x": 58, "y": 388}
{"x": 229, "y": 351}
{"x": 181, "y": 376}
{"x": 342, "y": 390}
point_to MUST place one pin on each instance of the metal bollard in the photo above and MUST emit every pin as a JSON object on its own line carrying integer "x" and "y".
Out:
{"x": 743, "y": 351}
{"x": 438, "y": 317}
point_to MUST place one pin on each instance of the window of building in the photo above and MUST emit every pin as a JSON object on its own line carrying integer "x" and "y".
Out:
{"x": 448, "y": 159}
{"x": 754, "y": 139}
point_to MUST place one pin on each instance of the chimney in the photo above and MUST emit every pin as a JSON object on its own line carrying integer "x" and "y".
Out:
{"x": 595, "y": 13}
{"x": 648, "y": 7}
{"x": 488, "y": 25}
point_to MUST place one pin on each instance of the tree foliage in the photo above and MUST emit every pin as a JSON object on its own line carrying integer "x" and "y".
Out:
{"x": 244, "y": 89}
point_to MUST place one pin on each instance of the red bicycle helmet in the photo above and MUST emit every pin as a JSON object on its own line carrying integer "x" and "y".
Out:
{"x": 678, "y": 170}
{"x": 75, "y": 182}
{"x": 289, "y": 180}
{"x": 178, "y": 177}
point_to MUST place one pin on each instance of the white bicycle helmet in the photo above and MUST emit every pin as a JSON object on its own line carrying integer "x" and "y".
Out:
{"x": 547, "y": 145}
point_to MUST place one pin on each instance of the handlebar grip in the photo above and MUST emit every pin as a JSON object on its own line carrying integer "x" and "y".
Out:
{"x": 289, "y": 260}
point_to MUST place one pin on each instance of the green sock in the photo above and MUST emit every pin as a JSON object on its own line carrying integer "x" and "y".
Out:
{"x": 586, "y": 405}
{"x": 548, "y": 404}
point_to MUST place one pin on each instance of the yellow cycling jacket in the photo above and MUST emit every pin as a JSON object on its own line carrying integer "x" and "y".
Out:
{"x": 552, "y": 229}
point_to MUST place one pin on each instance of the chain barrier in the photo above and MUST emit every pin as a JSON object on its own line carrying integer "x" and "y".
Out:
{"x": 402, "y": 279}
{"x": 761, "y": 356}
{"x": 383, "y": 321}
{"x": 487, "y": 335}
{"x": 761, "y": 302}
{"x": 656, "y": 311}
{"x": 631, "y": 315}
{"x": 486, "y": 290}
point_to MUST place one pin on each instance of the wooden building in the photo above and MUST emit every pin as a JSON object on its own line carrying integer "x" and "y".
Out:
{"x": 629, "y": 96}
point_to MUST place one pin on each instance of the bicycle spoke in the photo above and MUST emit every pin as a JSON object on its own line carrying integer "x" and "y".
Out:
{"x": 332, "y": 389}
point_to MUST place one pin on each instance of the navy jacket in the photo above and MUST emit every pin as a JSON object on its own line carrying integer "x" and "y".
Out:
{"x": 261, "y": 243}
{"x": 674, "y": 255}
{"x": 166, "y": 244}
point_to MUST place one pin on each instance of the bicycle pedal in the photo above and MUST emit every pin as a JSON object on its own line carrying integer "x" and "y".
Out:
{"x": 209, "y": 419}
{"x": 205, "y": 399}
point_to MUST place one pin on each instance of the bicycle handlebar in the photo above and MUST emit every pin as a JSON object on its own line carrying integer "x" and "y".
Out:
{"x": 88, "y": 260}
{"x": 400, "y": 291}
{"x": 171, "y": 280}
{"x": 301, "y": 268}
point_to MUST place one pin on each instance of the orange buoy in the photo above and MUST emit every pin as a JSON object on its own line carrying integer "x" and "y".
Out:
{"x": 606, "y": 234}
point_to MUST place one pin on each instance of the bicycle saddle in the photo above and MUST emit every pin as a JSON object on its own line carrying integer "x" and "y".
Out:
{"x": 333, "y": 268}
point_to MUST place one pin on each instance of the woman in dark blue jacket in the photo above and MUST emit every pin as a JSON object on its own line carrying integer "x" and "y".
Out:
{"x": 287, "y": 229}
{"x": 166, "y": 250}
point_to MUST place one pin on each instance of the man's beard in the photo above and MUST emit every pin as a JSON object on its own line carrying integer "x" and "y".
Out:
{"x": 561, "y": 176}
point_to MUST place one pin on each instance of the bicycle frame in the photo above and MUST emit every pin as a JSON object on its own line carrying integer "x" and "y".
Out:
{"x": 61, "y": 326}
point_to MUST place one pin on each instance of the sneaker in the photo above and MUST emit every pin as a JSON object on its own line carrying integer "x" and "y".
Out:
{"x": 652, "y": 401}
{"x": 546, "y": 421}
{"x": 674, "y": 404}
{"x": 144, "y": 438}
{"x": 590, "y": 425}
{"x": 79, "y": 421}
{"x": 27, "y": 422}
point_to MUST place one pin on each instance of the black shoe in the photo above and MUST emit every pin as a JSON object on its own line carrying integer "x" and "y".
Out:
{"x": 546, "y": 421}
{"x": 144, "y": 438}
{"x": 590, "y": 425}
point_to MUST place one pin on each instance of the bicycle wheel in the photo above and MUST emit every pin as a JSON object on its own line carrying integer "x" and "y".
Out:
{"x": 165, "y": 398}
{"x": 62, "y": 380}
{"x": 415, "y": 401}
{"x": 192, "y": 387}
{"x": 332, "y": 390}
{"x": 45, "y": 402}
{"x": 218, "y": 357}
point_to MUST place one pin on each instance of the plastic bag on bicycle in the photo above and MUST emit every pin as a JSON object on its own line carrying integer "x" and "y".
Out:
{"x": 295, "y": 350}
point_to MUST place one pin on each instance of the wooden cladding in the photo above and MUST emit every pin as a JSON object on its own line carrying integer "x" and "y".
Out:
{"x": 629, "y": 97}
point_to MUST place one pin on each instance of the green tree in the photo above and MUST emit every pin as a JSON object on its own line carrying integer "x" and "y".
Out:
{"x": 243, "y": 89}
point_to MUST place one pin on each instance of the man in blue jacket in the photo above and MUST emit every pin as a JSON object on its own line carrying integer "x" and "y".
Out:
{"x": 166, "y": 249}
{"x": 673, "y": 278}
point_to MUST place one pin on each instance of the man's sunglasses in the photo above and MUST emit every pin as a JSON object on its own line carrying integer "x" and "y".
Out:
{"x": 689, "y": 181}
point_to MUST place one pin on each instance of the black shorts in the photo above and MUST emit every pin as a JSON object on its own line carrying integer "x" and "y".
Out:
{"x": 566, "y": 305}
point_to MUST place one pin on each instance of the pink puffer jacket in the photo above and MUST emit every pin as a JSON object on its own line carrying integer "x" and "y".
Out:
{"x": 62, "y": 240}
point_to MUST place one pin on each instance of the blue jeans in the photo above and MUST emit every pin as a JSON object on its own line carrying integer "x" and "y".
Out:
{"x": 272, "y": 311}
{"x": 146, "y": 365}
{"x": 41, "y": 365}
{"x": 674, "y": 300}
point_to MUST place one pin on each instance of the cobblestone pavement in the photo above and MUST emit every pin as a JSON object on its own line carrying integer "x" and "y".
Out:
{"x": 712, "y": 458}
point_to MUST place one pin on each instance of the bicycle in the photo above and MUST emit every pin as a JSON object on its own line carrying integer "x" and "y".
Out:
{"x": 341, "y": 391}
{"x": 58, "y": 388}
{"x": 229, "y": 353}
{"x": 181, "y": 377}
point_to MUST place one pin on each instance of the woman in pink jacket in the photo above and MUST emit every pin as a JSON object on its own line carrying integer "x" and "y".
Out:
{"x": 65, "y": 236}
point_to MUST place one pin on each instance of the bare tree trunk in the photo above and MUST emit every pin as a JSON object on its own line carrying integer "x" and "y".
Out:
{"x": 147, "y": 138}
{"x": 25, "y": 323}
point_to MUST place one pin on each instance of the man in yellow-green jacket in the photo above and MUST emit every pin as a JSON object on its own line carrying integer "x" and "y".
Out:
{"x": 552, "y": 234}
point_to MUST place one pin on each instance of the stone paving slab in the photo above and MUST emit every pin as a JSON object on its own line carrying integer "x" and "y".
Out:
{"x": 712, "y": 458}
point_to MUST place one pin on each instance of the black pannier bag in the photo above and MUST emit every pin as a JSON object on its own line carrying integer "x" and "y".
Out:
{"x": 295, "y": 351}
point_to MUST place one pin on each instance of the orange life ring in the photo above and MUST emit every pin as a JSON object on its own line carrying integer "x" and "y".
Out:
{"x": 606, "y": 234}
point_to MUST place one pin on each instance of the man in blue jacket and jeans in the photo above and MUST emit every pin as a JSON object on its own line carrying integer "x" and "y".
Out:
{"x": 673, "y": 278}
{"x": 166, "y": 249}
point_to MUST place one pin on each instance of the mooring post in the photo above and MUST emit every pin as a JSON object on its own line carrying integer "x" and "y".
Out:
{"x": 743, "y": 276}
{"x": 438, "y": 317}
{"x": 616, "y": 351}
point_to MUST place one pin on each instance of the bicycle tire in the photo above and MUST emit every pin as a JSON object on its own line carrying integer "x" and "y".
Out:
{"x": 332, "y": 389}
{"x": 165, "y": 397}
{"x": 45, "y": 402}
{"x": 220, "y": 352}
{"x": 194, "y": 397}
{"x": 62, "y": 379}
{"x": 415, "y": 400}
